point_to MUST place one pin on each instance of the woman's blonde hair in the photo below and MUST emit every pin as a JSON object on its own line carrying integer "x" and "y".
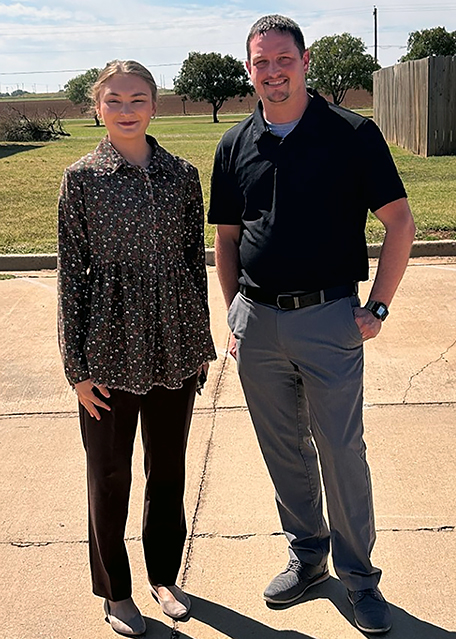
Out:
{"x": 127, "y": 67}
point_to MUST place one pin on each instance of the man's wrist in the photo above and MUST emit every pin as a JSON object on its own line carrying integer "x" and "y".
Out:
{"x": 378, "y": 309}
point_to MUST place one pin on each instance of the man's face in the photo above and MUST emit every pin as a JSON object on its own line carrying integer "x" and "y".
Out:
{"x": 276, "y": 67}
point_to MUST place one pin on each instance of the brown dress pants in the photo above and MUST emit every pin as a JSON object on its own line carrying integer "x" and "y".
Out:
{"x": 165, "y": 422}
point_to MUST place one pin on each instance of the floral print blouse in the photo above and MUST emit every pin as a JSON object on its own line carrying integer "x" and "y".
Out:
{"x": 133, "y": 308}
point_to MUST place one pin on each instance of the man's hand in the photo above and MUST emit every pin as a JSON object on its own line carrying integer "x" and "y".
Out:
{"x": 89, "y": 400}
{"x": 369, "y": 326}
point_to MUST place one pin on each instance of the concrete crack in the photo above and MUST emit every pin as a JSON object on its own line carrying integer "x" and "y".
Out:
{"x": 435, "y": 361}
{"x": 218, "y": 536}
{"x": 239, "y": 537}
{"x": 22, "y": 543}
{"x": 245, "y": 536}
{"x": 41, "y": 544}
{"x": 69, "y": 413}
{"x": 434, "y": 529}
{"x": 39, "y": 414}
{"x": 240, "y": 408}
{"x": 191, "y": 536}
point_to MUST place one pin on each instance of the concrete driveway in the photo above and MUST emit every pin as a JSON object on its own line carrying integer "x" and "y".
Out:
{"x": 235, "y": 543}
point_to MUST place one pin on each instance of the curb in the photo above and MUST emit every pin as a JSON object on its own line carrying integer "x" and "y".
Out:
{"x": 48, "y": 261}
{"x": 438, "y": 248}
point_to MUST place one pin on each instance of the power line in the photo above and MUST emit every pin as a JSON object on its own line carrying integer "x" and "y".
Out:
{"x": 167, "y": 64}
{"x": 164, "y": 64}
{"x": 88, "y": 28}
{"x": 414, "y": 9}
{"x": 418, "y": 7}
{"x": 111, "y": 48}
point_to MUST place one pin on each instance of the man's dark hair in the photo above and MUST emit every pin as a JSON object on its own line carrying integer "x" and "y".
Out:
{"x": 276, "y": 22}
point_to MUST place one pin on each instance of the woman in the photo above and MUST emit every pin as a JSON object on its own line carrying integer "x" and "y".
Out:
{"x": 133, "y": 333}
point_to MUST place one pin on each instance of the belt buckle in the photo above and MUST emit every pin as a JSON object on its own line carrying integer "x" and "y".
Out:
{"x": 286, "y": 297}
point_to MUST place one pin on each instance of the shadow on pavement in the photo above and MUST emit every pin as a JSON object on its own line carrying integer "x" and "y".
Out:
{"x": 233, "y": 624}
{"x": 405, "y": 625}
{"x": 237, "y": 626}
{"x": 154, "y": 630}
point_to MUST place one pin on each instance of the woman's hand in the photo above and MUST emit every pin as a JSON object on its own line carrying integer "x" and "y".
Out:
{"x": 201, "y": 377}
{"x": 89, "y": 400}
{"x": 204, "y": 367}
{"x": 232, "y": 346}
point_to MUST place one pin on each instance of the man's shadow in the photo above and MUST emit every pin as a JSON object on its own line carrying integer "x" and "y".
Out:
{"x": 237, "y": 626}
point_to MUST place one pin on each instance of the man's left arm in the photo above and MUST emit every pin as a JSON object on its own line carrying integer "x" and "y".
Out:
{"x": 397, "y": 219}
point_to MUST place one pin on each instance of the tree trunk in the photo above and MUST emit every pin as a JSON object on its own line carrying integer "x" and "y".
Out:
{"x": 215, "y": 109}
{"x": 97, "y": 121}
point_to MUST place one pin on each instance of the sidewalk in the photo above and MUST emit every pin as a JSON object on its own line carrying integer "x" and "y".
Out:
{"x": 234, "y": 543}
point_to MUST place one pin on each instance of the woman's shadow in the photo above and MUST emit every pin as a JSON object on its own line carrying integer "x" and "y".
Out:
{"x": 237, "y": 626}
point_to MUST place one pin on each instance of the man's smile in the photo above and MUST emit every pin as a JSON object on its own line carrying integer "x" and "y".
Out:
{"x": 276, "y": 83}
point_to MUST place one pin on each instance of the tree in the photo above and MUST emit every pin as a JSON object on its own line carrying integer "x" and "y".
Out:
{"x": 212, "y": 78}
{"x": 436, "y": 41}
{"x": 339, "y": 63}
{"x": 78, "y": 91}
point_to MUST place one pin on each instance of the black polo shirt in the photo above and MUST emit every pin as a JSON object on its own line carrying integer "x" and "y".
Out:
{"x": 302, "y": 201}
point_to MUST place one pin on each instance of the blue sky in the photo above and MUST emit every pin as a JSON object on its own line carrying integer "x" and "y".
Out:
{"x": 43, "y": 45}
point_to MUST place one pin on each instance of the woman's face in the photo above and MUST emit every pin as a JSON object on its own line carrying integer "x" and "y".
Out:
{"x": 125, "y": 104}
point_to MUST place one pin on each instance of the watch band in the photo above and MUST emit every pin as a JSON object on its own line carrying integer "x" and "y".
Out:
{"x": 378, "y": 309}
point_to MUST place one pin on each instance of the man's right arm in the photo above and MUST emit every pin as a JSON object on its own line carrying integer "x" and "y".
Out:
{"x": 227, "y": 263}
{"x": 227, "y": 259}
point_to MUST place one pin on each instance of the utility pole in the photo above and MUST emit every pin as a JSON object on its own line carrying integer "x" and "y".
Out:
{"x": 375, "y": 34}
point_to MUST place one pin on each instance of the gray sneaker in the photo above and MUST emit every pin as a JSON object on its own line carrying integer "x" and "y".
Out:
{"x": 371, "y": 611}
{"x": 293, "y": 582}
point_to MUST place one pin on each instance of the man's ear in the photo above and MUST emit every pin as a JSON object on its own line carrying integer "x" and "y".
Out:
{"x": 306, "y": 60}
{"x": 248, "y": 66}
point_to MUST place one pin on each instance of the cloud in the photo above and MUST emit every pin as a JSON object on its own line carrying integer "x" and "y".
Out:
{"x": 66, "y": 34}
{"x": 22, "y": 11}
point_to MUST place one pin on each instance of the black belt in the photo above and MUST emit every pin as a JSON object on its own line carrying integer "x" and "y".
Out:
{"x": 291, "y": 301}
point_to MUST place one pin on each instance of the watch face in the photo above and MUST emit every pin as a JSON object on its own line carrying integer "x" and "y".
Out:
{"x": 378, "y": 309}
{"x": 382, "y": 311}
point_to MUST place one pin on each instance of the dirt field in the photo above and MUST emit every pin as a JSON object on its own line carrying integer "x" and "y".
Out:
{"x": 168, "y": 104}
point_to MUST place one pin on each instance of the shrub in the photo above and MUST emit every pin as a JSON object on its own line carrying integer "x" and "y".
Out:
{"x": 18, "y": 127}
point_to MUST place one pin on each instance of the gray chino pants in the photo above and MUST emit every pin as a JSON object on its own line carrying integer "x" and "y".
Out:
{"x": 302, "y": 375}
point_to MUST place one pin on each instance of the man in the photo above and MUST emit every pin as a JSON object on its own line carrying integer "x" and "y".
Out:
{"x": 291, "y": 188}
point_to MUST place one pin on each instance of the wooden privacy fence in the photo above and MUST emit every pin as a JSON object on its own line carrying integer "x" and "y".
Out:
{"x": 415, "y": 105}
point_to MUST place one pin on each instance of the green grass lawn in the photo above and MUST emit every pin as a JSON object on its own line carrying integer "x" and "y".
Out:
{"x": 30, "y": 176}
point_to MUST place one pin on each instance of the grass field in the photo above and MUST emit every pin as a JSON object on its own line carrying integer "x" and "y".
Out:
{"x": 30, "y": 175}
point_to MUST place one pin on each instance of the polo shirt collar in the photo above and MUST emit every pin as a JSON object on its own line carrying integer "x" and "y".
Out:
{"x": 312, "y": 113}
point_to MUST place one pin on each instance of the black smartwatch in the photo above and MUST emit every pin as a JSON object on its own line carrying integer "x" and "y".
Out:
{"x": 378, "y": 309}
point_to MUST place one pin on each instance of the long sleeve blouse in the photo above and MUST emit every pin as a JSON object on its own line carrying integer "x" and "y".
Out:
{"x": 133, "y": 309}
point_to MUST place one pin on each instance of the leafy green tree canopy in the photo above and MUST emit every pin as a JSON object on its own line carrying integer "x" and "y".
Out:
{"x": 339, "y": 63}
{"x": 78, "y": 91}
{"x": 212, "y": 78}
{"x": 436, "y": 41}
